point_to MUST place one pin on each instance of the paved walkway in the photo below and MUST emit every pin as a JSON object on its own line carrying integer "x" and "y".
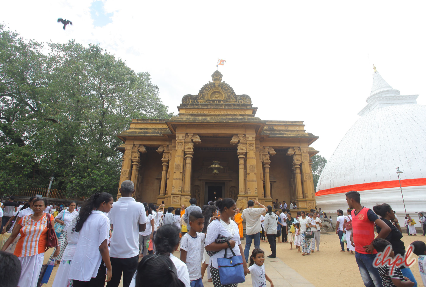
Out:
{"x": 279, "y": 272}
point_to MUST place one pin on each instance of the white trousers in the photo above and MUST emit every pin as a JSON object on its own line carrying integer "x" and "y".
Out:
{"x": 348, "y": 240}
{"x": 31, "y": 267}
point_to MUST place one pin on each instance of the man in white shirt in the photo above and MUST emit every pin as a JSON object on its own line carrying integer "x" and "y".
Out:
{"x": 128, "y": 218}
{"x": 252, "y": 217}
{"x": 283, "y": 216}
{"x": 339, "y": 227}
{"x": 284, "y": 205}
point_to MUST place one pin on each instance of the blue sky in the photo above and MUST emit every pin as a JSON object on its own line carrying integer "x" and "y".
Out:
{"x": 99, "y": 15}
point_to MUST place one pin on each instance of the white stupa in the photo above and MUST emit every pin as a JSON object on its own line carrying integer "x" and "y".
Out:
{"x": 390, "y": 134}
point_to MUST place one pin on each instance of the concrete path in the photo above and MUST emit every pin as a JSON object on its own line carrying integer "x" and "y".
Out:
{"x": 279, "y": 272}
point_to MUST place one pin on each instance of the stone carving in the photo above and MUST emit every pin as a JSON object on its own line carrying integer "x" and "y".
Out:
{"x": 233, "y": 192}
{"x": 266, "y": 152}
{"x": 177, "y": 166}
{"x": 252, "y": 168}
{"x": 216, "y": 92}
{"x": 125, "y": 172}
{"x": 175, "y": 199}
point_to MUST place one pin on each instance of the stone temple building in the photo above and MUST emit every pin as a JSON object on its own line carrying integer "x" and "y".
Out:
{"x": 216, "y": 148}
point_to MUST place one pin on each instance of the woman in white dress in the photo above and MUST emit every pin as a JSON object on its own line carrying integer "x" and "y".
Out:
{"x": 62, "y": 275}
{"x": 225, "y": 227}
{"x": 64, "y": 218}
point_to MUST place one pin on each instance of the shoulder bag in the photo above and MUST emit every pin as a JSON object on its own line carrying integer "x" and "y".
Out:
{"x": 231, "y": 270}
{"x": 309, "y": 233}
{"x": 348, "y": 225}
{"x": 52, "y": 240}
{"x": 59, "y": 228}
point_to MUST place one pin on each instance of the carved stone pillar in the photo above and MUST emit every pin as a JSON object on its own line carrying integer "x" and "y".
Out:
{"x": 297, "y": 159}
{"x": 178, "y": 168}
{"x": 251, "y": 165}
{"x": 241, "y": 177}
{"x": 165, "y": 160}
{"x": 241, "y": 152}
{"x": 126, "y": 167}
{"x": 307, "y": 177}
{"x": 136, "y": 151}
{"x": 267, "y": 182}
{"x": 188, "y": 170}
{"x": 190, "y": 139}
{"x": 266, "y": 153}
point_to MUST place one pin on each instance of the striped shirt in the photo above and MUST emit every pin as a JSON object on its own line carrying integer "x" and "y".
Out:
{"x": 33, "y": 236}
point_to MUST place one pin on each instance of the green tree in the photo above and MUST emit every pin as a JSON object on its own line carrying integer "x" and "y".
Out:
{"x": 318, "y": 163}
{"x": 61, "y": 112}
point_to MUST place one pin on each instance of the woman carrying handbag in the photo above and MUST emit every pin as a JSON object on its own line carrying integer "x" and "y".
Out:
{"x": 34, "y": 241}
{"x": 62, "y": 220}
{"x": 226, "y": 228}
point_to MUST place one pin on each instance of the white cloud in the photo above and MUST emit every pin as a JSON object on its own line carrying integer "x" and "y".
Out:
{"x": 308, "y": 60}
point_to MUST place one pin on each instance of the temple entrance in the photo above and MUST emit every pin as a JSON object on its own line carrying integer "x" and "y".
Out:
{"x": 214, "y": 191}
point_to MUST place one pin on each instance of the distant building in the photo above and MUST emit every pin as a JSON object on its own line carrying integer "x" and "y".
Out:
{"x": 391, "y": 133}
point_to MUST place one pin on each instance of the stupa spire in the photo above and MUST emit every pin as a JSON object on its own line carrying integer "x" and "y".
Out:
{"x": 379, "y": 84}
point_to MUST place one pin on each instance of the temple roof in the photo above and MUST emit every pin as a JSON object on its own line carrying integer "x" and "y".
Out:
{"x": 217, "y": 94}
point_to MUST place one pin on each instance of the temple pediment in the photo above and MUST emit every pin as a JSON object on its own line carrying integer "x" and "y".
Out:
{"x": 216, "y": 94}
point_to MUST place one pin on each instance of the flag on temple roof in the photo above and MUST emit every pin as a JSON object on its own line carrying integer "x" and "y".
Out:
{"x": 221, "y": 62}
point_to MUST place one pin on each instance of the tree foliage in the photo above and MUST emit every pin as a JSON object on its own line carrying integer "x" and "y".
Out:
{"x": 62, "y": 106}
{"x": 318, "y": 164}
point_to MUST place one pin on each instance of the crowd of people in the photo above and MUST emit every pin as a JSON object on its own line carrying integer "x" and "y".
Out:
{"x": 106, "y": 241}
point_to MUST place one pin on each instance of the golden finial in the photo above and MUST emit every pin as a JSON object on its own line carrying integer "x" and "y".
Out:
{"x": 374, "y": 68}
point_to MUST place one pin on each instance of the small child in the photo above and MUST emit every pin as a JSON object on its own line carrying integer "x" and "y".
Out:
{"x": 419, "y": 248}
{"x": 298, "y": 237}
{"x": 192, "y": 247}
{"x": 390, "y": 279}
{"x": 290, "y": 235}
{"x": 257, "y": 269}
{"x": 166, "y": 241}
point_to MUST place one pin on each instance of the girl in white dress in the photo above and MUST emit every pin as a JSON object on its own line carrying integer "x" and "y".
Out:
{"x": 94, "y": 226}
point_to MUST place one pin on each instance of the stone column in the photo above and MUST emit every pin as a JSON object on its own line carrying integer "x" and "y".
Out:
{"x": 267, "y": 182}
{"x": 297, "y": 159}
{"x": 251, "y": 165}
{"x": 178, "y": 168}
{"x": 307, "y": 177}
{"x": 136, "y": 151}
{"x": 299, "y": 191}
{"x": 126, "y": 167}
{"x": 188, "y": 169}
{"x": 266, "y": 153}
{"x": 165, "y": 161}
{"x": 241, "y": 177}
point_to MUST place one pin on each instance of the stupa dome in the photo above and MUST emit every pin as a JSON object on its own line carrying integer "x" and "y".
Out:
{"x": 390, "y": 133}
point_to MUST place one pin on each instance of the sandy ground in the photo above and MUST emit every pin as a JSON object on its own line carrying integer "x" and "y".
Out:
{"x": 329, "y": 267}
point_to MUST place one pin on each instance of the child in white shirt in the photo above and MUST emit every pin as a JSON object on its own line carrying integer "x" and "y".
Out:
{"x": 192, "y": 247}
{"x": 419, "y": 248}
{"x": 257, "y": 269}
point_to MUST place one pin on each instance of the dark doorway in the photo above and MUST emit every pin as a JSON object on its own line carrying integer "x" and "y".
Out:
{"x": 214, "y": 191}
